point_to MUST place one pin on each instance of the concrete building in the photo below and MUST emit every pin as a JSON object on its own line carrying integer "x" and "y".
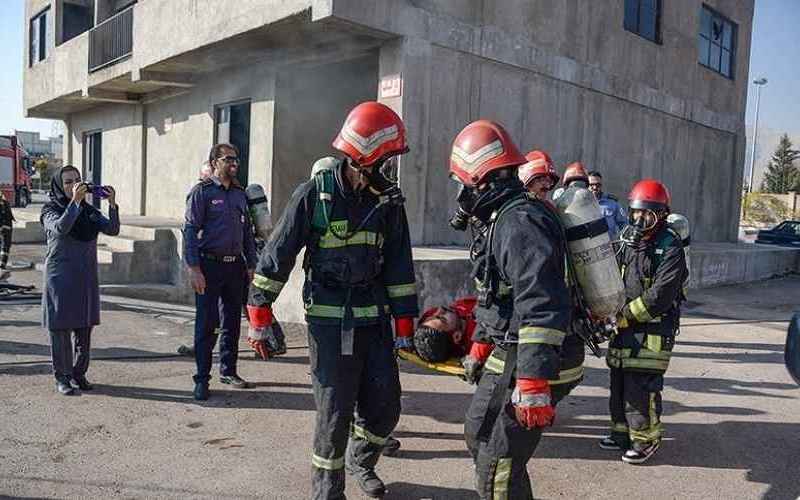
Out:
{"x": 35, "y": 145}
{"x": 634, "y": 88}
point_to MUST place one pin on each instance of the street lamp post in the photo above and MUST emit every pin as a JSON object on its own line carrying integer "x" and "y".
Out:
{"x": 758, "y": 83}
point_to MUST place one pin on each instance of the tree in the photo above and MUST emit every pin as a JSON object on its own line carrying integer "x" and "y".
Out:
{"x": 781, "y": 175}
{"x": 41, "y": 166}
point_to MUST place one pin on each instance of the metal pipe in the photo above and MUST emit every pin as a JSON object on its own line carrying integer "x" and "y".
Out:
{"x": 759, "y": 83}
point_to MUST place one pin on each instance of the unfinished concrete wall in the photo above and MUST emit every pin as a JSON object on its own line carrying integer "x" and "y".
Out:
{"x": 180, "y": 132}
{"x": 121, "y": 127}
{"x": 311, "y": 105}
{"x": 565, "y": 76}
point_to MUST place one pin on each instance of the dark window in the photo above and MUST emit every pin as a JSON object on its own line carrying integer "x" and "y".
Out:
{"x": 232, "y": 125}
{"x": 716, "y": 42}
{"x": 77, "y": 19}
{"x": 38, "y": 37}
{"x": 643, "y": 17}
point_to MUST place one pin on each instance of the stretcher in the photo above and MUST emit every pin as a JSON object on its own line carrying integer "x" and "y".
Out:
{"x": 451, "y": 367}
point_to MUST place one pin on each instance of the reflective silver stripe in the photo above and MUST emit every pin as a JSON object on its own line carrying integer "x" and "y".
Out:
{"x": 502, "y": 476}
{"x": 363, "y": 433}
{"x": 404, "y": 290}
{"x": 494, "y": 365}
{"x": 540, "y": 335}
{"x": 327, "y": 463}
{"x": 268, "y": 284}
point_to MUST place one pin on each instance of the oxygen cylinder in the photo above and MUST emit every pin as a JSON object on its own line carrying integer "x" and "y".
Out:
{"x": 325, "y": 163}
{"x": 680, "y": 224}
{"x": 259, "y": 210}
{"x": 590, "y": 252}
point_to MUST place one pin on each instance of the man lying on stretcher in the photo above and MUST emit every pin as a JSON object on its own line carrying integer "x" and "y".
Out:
{"x": 444, "y": 336}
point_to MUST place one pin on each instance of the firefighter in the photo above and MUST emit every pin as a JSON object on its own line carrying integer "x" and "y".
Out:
{"x": 574, "y": 173}
{"x": 523, "y": 307}
{"x": 359, "y": 272}
{"x": 538, "y": 174}
{"x": 653, "y": 268}
{"x": 6, "y": 226}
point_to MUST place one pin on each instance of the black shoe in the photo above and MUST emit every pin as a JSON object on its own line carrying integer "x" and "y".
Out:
{"x": 81, "y": 383}
{"x": 64, "y": 388}
{"x": 201, "y": 391}
{"x": 609, "y": 443}
{"x": 235, "y": 381}
{"x": 391, "y": 447}
{"x": 634, "y": 456}
{"x": 369, "y": 482}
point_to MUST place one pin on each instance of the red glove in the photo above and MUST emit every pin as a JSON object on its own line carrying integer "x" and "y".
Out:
{"x": 532, "y": 403}
{"x": 404, "y": 333}
{"x": 260, "y": 318}
{"x": 481, "y": 351}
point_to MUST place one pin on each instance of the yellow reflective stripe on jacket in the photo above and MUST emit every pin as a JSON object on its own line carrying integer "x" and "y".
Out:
{"x": 639, "y": 310}
{"x": 327, "y": 463}
{"x": 268, "y": 284}
{"x": 328, "y": 240}
{"x": 567, "y": 376}
{"x": 323, "y": 311}
{"x": 502, "y": 476}
{"x": 541, "y": 335}
{"x": 363, "y": 433}
{"x": 494, "y": 365}
{"x": 404, "y": 290}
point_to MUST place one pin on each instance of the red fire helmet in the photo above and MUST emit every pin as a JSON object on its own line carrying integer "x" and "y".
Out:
{"x": 575, "y": 172}
{"x": 371, "y": 132}
{"x": 649, "y": 194}
{"x": 480, "y": 148}
{"x": 539, "y": 164}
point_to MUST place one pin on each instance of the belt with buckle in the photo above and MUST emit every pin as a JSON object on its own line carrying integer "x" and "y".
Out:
{"x": 227, "y": 259}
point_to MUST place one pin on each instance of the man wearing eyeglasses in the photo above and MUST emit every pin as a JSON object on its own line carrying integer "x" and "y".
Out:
{"x": 221, "y": 256}
{"x": 613, "y": 212}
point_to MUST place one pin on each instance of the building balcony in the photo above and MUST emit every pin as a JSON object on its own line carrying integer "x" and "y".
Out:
{"x": 155, "y": 49}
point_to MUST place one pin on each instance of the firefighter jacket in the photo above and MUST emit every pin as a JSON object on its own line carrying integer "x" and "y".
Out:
{"x": 529, "y": 305}
{"x": 361, "y": 278}
{"x": 653, "y": 278}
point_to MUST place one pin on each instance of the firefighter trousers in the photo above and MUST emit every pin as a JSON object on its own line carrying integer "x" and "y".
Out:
{"x": 357, "y": 399}
{"x": 635, "y": 407}
{"x": 5, "y": 245}
{"x": 501, "y": 463}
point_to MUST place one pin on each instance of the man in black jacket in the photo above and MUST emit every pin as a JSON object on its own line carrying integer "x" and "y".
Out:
{"x": 359, "y": 273}
{"x": 524, "y": 308}
{"x": 653, "y": 268}
{"x": 6, "y": 226}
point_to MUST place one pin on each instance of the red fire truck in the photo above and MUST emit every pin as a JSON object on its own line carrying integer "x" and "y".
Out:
{"x": 16, "y": 169}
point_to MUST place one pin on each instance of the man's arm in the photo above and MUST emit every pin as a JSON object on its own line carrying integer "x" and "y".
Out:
{"x": 399, "y": 278}
{"x": 667, "y": 284}
{"x": 285, "y": 242}
{"x": 530, "y": 253}
{"x": 194, "y": 220}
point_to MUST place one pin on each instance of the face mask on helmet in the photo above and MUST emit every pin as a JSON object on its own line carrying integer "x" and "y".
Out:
{"x": 466, "y": 198}
{"x": 641, "y": 223}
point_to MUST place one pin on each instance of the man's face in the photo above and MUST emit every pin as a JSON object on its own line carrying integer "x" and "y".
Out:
{"x": 540, "y": 186}
{"x": 644, "y": 219}
{"x": 596, "y": 185}
{"x": 227, "y": 164}
{"x": 447, "y": 321}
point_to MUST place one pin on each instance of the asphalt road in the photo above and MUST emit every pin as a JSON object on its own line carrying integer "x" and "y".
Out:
{"x": 732, "y": 416}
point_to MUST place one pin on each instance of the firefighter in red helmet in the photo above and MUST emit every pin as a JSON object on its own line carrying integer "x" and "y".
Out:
{"x": 653, "y": 270}
{"x": 575, "y": 172}
{"x": 523, "y": 307}
{"x": 359, "y": 273}
{"x": 538, "y": 174}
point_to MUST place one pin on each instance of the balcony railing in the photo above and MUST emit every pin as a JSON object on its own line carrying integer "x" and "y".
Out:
{"x": 111, "y": 40}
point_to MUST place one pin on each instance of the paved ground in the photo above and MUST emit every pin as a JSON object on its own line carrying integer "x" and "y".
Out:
{"x": 732, "y": 416}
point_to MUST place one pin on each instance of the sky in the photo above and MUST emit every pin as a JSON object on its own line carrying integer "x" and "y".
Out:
{"x": 773, "y": 56}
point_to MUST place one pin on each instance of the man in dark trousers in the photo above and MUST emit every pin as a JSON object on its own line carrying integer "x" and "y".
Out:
{"x": 359, "y": 274}
{"x": 523, "y": 307}
{"x": 220, "y": 253}
{"x": 653, "y": 270}
{"x": 6, "y": 226}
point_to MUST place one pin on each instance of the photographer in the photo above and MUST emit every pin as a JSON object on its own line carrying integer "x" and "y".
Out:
{"x": 71, "y": 298}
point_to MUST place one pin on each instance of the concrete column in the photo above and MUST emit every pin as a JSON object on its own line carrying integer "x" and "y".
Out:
{"x": 67, "y": 144}
{"x": 410, "y": 59}
{"x": 142, "y": 115}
